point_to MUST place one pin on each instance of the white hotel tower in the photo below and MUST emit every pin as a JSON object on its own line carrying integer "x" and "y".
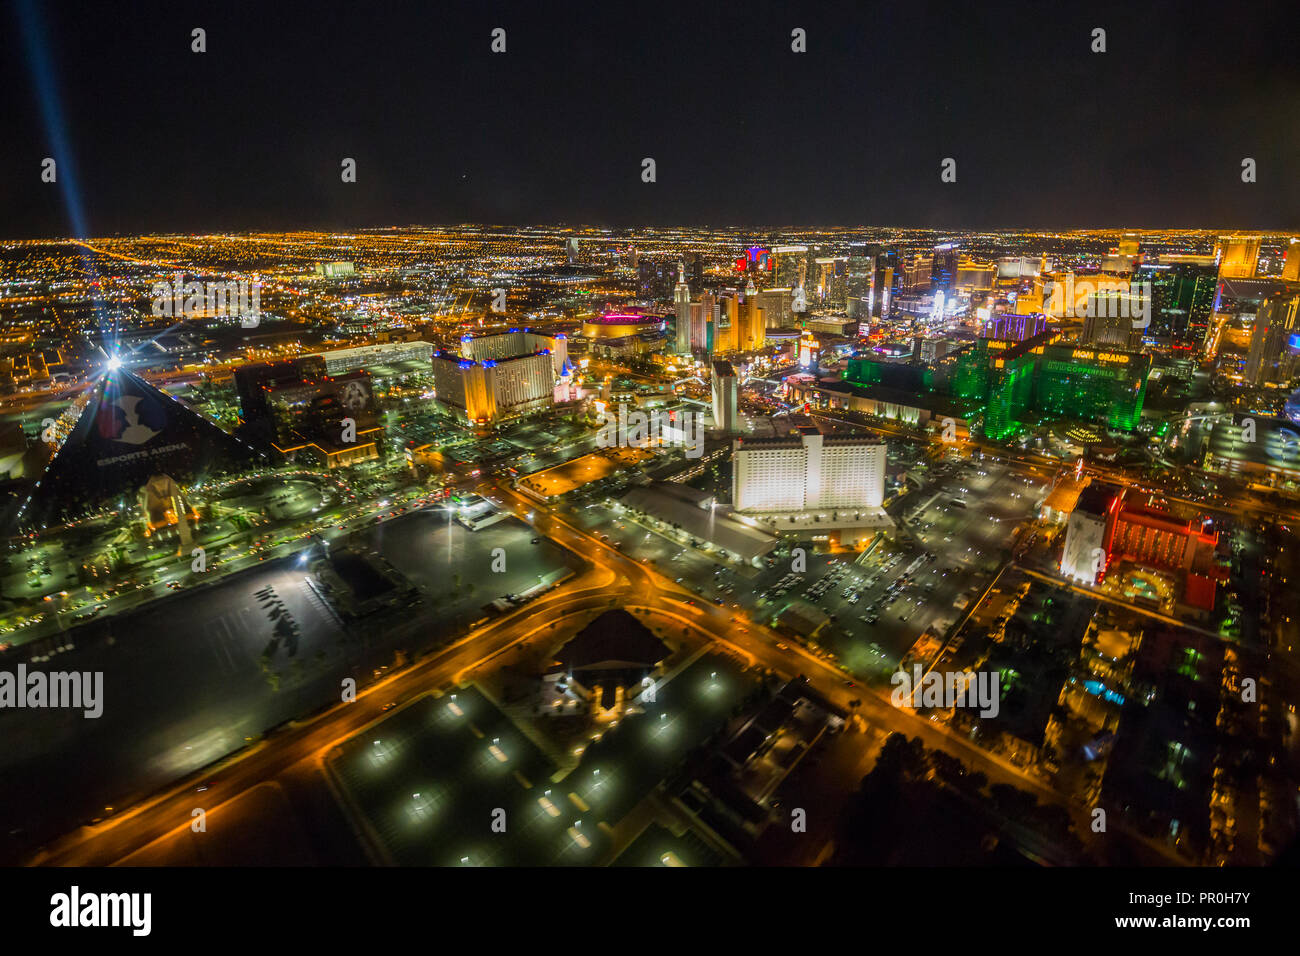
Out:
{"x": 807, "y": 473}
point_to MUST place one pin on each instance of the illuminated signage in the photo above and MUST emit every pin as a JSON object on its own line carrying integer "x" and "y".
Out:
{"x": 1087, "y": 356}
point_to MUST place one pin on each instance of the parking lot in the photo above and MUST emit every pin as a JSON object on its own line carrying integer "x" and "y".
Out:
{"x": 954, "y": 531}
{"x": 430, "y": 779}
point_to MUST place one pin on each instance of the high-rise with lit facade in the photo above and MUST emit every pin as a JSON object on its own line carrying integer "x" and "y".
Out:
{"x": 514, "y": 343}
{"x": 704, "y": 322}
{"x": 682, "y": 305}
{"x": 791, "y": 263}
{"x": 973, "y": 276}
{"x": 1114, "y": 320}
{"x": 726, "y": 398}
{"x": 860, "y": 281}
{"x": 775, "y": 305}
{"x": 1092, "y": 385}
{"x": 916, "y": 274}
{"x": 725, "y": 338}
{"x": 1182, "y": 298}
{"x": 1271, "y": 360}
{"x": 1238, "y": 256}
{"x": 494, "y": 389}
{"x": 1083, "y": 559}
{"x": 806, "y": 473}
{"x": 943, "y": 266}
{"x": 1063, "y": 381}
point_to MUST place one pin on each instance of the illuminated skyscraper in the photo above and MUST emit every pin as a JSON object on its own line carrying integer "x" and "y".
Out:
{"x": 494, "y": 389}
{"x": 704, "y": 321}
{"x": 1182, "y": 297}
{"x": 1056, "y": 381}
{"x": 775, "y": 304}
{"x": 943, "y": 267}
{"x": 807, "y": 473}
{"x": 1084, "y": 557}
{"x": 975, "y": 276}
{"x": 884, "y": 290}
{"x": 1067, "y": 293}
{"x": 1010, "y": 392}
{"x": 727, "y": 325}
{"x": 1237, "y": 256}
{"x": 1291, "y": 267}
{"x": 726, "y": 398}
{"x": 860, "y": 281}
{"x": 1113, "y": 320}
{"x": 1092, "y": 385}
{"x": 682, "y": 302}
{"x": 791, "y": 262}
{"x": 916, "y": 273}
{"x": 1271, "y": 360}
{"x": 751, "y": 334}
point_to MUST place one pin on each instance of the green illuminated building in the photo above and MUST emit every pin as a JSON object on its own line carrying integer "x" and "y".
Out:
{"x": 969, "y": 377}
{"x": 900, "y": 375}
{"x": 1061, "y": 381}
{"x": 1011, "y": 390}
{"x": 1021, "y": 383}
{"x": 1101, "y": 386}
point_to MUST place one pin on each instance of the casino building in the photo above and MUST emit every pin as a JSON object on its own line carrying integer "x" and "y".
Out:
{"x": 807, "y": 472}
{"x": 1107, "y": 526}
{"x": 624, "y": 334}
{"x": 493, "y": 390}
{"x": 128, "y": 435}
{"x": 1064, "y": 381}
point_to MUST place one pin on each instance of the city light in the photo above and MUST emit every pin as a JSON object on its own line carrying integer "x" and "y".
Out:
{"x": 622, "y": 437}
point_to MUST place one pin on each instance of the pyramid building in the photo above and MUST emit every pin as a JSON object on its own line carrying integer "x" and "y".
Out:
{"x": 128, "y": 433}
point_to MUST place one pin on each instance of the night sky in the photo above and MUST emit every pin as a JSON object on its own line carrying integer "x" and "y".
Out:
{"x": 250, "y": 134}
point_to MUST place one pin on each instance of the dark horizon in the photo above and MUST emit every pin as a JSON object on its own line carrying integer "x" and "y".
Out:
{"x": 249, "y": 136}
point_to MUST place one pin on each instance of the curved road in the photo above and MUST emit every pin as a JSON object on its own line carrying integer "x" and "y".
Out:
{"x": 611, "y": 578}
